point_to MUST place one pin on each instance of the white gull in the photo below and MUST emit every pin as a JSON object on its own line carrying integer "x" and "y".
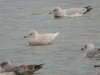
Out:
{"x": 36, "y": 38}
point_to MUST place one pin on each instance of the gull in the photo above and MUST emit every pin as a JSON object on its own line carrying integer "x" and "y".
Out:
{"x": 71, "y": 12}
{"x": 91, "y": 51}
{"x": 36, "y": 38}
{"x": 27, "y": 69}
{"x": 19, "y": 70}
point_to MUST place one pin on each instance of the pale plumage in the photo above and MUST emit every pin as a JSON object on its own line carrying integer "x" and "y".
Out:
{"x": 91, "y": 51}
{"x": 71, "y": 12}
{"x": 40, "y": 39}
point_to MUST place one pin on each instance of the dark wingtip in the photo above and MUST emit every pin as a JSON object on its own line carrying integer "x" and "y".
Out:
{"x": 41, "y": 64}
{"x": 88, "y": 9}
{"x": 37, "y": 67}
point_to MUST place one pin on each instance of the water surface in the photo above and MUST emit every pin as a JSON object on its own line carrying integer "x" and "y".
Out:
{"x": 63, "y": 56}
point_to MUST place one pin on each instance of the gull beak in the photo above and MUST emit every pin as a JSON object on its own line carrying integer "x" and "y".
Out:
{"x": 51, "y": 12}
{"x": 25, "y": 36}
{"x": 96, "y": 65}
{"x": 82, "y": 49}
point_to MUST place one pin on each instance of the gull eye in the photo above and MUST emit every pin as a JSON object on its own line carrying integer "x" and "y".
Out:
{"x": 85, "y": 46}
{"x": 83, "y": 9}
{"x": 30, "y": 33}
{"x": 55, "y": 10}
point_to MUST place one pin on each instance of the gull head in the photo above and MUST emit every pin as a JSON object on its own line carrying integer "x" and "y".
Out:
{"x": 83, "y": 10}
{"x": 31, "y": 34}
{"x": 88, "y": 46}
{"x": 3, "y": 64}
{"x": 56, "y": 10}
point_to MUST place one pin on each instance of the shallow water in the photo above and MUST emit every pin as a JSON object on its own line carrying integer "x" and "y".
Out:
{"x": 63, "y": 56}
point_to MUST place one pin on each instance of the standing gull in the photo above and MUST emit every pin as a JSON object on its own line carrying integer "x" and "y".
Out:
{"x": 91, "y": 51}
{"x": 71, "y": 12}
{"x": 40, "y": 39}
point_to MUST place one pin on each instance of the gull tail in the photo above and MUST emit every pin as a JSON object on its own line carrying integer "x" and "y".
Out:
{"x": 37, "y": 67}
{"x": 88, "y": 9}
{"x": 56, "y": 34}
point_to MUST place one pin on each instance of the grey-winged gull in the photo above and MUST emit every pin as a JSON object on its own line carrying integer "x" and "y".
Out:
{"x": 91, "y": 51}
{"x": 71, "y": 12}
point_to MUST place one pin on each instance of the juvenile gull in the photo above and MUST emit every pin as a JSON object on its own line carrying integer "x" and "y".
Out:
{"x": 7, "y": 68}
{"x": 27, "y": 69}
{"x": 91, "y": 51}
{"x": 71, "y": 12}
{"x": 40, "y": 39}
